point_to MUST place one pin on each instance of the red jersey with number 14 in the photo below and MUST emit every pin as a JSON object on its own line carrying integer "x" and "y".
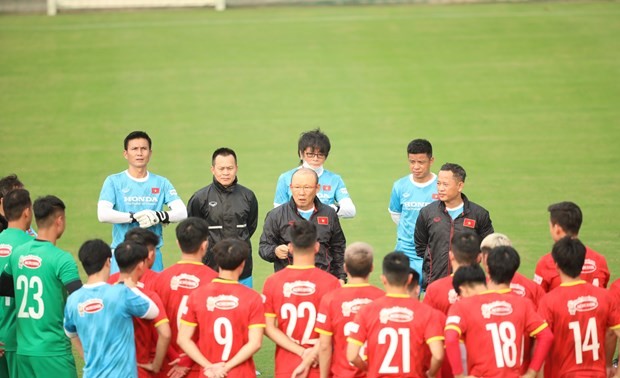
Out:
{"x": 594, "y": 271}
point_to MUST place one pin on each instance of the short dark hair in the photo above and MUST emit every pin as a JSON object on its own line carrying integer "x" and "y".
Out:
{"x": 396, "y": 268}
{"x": 457, "y": 171}
{"x": 137, "y": 135}
{"x": 46, "y": 208}
{"x": 229, "y": 254}
{"x": 93, "y": 255}
{"x": 358, "y": 260}
{"x": 14, "y": 204}
{"x": 142, "y": 236}
{"x": 570, "y": 254}
{"x": 415, "y": 280}
{"x": 303, "y": 234}
{"x": 8, "y": 183}
{"x": 420, "y": 146}
{"x": 223, "y": 151}
{"x": 465, "y": 247}
{"x": 315, "y": 139}
{"x": 468, "y": 275}
{"x": 128, "y": 255}
{"x": 191, "y": 233}
{"x": 503, "y": 262}
{"x": 567, "y": 215}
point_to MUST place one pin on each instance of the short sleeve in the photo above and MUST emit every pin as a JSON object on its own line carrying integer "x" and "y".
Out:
{"x": 67, "y": 269}
{"x": 136, "y": 304}
{"x": 324, "y": 317}
{"x": 395, "y": 205}
{"x": 341, "y": 190}
{"x": 268, "y": 298}
{"x": 69, "y": 323}
{"x": 162, "y": 317}
{"x": 544, "y": 311}
{"x": 359, "y": 333}
{"x": 257, "y": 312}
{"x": 534, "y": 322}
{"x": 190, "y": 317}
{"x": 434, "y": 328}
{"x": 170, "y": 193}
{"x": 107, "y": 191}
{"x": 282, "y": 193}
{"x": 456, "y": 319}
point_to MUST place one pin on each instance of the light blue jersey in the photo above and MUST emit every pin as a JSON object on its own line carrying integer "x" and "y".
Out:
{"x": 333, "y": 189}
{"x": 101, "y": 316}
{"x": 129, "y": 194}
{"x": 407, "y": 199}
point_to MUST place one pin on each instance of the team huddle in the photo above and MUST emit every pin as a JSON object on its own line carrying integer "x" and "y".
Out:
{"x": 477, "y": 317}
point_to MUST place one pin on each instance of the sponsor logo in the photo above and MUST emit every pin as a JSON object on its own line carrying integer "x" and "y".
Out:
{"x": 518, "y": 289}
{"x": 264, "y": 298}
{"x": 497, "y": 308}
{"x": 125, "y": 190}
{"x": 344, "y": 191}
{"x": 582, "y": 304}
{"x": 322, "y": 220}
{"x": 5, "y": 250}
{"x": 469, "y": 223}
{"x": 184, "y": 281}
{"x": 91, "y": 306}
{"x": 222, "y": 302}
{"x": 414, "y": 205}
{"x": 212, "y": 203}
{"x": 173, "y": 192}
{"x": 139, "y": 199}
{"x": 452, "y": 296}
{"x": 538, "y": 279}
{"x": 589, "y": 266}
{"x": 327, "y": 188}
{"x": 321, "y": 318}
{"x": 406, "y": 195}
{"x": 437, "y": 219}
{"x": 299, "y": 288}
{"x": 395, "y": 314}
{"x": 355, "y": 328}
{"x": 29, "y": 261}
{"x": 435, "y": 196}
{"x": 352, "y": 307}
{"x": 154, "y": 190}
{"x": 453, "y": 319}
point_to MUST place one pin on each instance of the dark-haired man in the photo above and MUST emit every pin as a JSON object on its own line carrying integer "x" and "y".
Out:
{"x": 93, "y": 311}
{"x": 150, "y": 240}
{"x": 7, "y": 184}
{"x": 565, "y": 219}
{"x": 230, "y": 209}
{"x": 136, "y": 197}
{"x": 438, "y": 221}
{"x": 230, "y": 318}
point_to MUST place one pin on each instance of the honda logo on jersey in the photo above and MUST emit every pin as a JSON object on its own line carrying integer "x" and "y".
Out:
{"x": 154, "y": 190}
{"x": 322, "y": 220}
{"x": 469, "y": 223}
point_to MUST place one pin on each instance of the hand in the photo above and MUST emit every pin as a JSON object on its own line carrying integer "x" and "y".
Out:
{"x": 148, "y": 218}
{"x": 149, "y": 367}
{"x": 282, "y": 252}
{"x": 178, "y": 371}
{"x": 217, "y": 370}
{"x": 1, "y": 349}
{"x": 301, "y": 371}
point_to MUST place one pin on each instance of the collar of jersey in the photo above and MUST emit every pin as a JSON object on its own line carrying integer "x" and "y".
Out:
{"x": 300, "y": 266}
{"x": 94, "y": 285}
{"x": 568, "y": 284}
{"x": 224, "y": 281}
{"x": 397, "y": 295}
{"x": 143, "y": 179}
{"x": 356, "y": 285}
{"x": 500, "y": 291}
{"x": 189, "y": 262}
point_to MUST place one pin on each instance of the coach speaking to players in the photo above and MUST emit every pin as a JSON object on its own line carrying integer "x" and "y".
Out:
{"x": 304, "y": 205}
{"x": 438, "y": 221}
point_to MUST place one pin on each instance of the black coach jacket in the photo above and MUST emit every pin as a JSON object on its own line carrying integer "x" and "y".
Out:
{"x": 231, "y": 212}
{"x": 330, "y": 257}
{"x": 434, "y": 230}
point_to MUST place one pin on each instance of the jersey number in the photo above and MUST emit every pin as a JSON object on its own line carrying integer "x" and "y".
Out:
{"x": 292, "y": 313}
{"x": 394, "y": 335}
{"x": 589, "y": 342}
{"x": 222, "y": 329}
{"x": 504, "y": 343}
{"x": 34, "y": 287}
{"x": 348, "y": 330}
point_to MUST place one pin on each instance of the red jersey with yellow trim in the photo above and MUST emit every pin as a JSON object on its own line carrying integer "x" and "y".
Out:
{"x": 335, "y": 317}
{"x": 174, "y": 285}
{"x": 579, "y": 315}
{"x": 440, "y": 294}
{"x": 494, "y": 326}
{"x": 224, "y": 311}
{"x": 397, "y": 330}
{"x": 594, "y": 271}
{"x": 526, "y": 288}
{"x": 292, "y": 296}
{"x": 147, "y": 281}
{"x": 145, "y": 333}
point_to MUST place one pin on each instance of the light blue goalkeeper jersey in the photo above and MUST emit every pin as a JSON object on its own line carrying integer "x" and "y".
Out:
{"x": 101, "y": 315}
{"x": 333, "y": 189}
{"x": 407, "y": 199}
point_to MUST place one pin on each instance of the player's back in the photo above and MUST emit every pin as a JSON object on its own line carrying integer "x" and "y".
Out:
{"x": 526, "y": 288}
{"x": 579, "y": 315}
{"x": 594, "y": 271}
{"x": 335, "y": 318}
{"x": 440, "y": 294}
{"x": 145, "y": 332}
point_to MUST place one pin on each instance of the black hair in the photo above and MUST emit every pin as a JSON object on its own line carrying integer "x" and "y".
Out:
{"x": 142, "y": 236}
{"x": 46, "y": 208}
{"x": 137, "y": 135}
{"x": 303, "y": 234}
{"x": 567, "y": 215}
{"x": 358, "y": 260}
{"x": 420, "y": 146}
{"x": 314, "y": 139}
{"x": 503, "y": 262}
{"x": 93, "y": 255}
{"x": 465, "y": 247}
{"x": 14, "y": 204}
{"x": 396, "y": 268}
{"x": 229, "y": 254}
{"x": 128, "y": 255}
{"x": 457, "y": 171}
{"x": 191, "y": 233}
{"x": 415, "y": 280}
{"x": 570, "y": 254}
{"x": 223, "y": 151}
{"x": 468, "y": 275}
{"x": 9, "y": 183}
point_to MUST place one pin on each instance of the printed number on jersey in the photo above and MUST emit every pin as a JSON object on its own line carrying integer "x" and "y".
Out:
{"x": 395, "y": 337}
{"x": 304, "y": 310}
{"x": 504, "y": 343}
{"x": 33, "y": 287}
{"x": 589, "y": 343}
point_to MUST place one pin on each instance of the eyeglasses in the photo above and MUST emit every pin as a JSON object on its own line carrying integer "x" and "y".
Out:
{"x": 312, "y": 155}
{"x": 302, "y": 188}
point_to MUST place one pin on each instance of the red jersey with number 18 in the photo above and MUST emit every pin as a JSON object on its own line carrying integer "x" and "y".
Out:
{"x": 292, "y": 296}
{"x": 579, "y": 315}
{"x": 396, "y": 329}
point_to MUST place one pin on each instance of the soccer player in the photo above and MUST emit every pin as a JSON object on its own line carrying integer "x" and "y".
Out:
{"x": 175, "y": 284}
{"x": 150, "y": 240}
{"x": 396, "y": 328}
{"x": 410, "y": 194}
{"x": 292, "y": 297}
{"x": 18, "y": 212}
{"x": 338, "y": 309}
{"x": 313, "y": 148}
{"x": 152, "y": 336}
{"x": 493, "y": 324}
{"x": 137, "y": 197}
{"x": 39, "y": 275}
{"x": 579, "y": 315}
{"x": 275, "y": 239}
{"x": 230, "y": 318}
{"x": 565, "y": 220}
{"x": 441, "y": 219}
{"x": 7, "y": 184}
{"x": 93, "y": 311}
{"x": 230, "y": 209}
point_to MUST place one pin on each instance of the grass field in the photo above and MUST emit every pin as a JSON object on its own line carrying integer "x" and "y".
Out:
{"x": 524, "y": 96}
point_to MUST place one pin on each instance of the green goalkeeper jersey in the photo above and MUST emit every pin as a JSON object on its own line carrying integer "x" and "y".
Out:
{"x": 40, "y": 272}
{"x": 10, "y": 239}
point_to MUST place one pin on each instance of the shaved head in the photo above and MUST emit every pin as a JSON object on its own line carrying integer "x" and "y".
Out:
{"x": 358, "y": 259}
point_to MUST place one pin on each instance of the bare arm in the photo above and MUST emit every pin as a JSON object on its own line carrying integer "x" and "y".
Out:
{"x": 353, "y": 356}
{"x": 437, "y": 356}
{"x": 325, "y": 354}
{"x": 280, "y": 338}
{"x": 255, "y": 339}
{"x": 163, "y": 340}
{"x": 185, "y": 342}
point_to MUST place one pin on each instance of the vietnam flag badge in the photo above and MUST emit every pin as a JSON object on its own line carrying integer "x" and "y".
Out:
{"x": 154, "y": 190}
{"x": 322, "y": 220}
{"x": 471, "y": 223}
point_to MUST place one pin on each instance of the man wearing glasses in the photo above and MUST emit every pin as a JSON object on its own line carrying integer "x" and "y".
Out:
{"x": 313, "y": 148}
{"x": 275, "y": 239}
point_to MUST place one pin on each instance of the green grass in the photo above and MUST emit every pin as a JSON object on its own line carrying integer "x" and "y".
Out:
{"x": 524, "y": 96}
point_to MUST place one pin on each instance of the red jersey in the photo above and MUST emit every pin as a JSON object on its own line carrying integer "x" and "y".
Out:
{"x": 224, "y": 311}
{"x": 145, "y": 333}
{"x": 614, "y": 289}
{"x": 174, "y": 285}
{"x": 579, "y": 315}
{"x": 440, "y": 294}
{"x": 335, "y": 318}
{"x": 594, "y": 271}
{"x": 494, "y": 326}
{"x": 292, "y": 296}
{"x": 396, "y": 329}
{"x": 147, "y": 281}
{"x": 526, "y": 288}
